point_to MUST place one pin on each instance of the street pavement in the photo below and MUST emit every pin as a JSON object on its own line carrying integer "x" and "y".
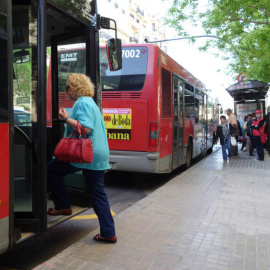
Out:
{"x": 215, "y": 215}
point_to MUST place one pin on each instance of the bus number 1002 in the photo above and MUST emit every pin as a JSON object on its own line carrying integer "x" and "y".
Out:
{"x": 130, "y": 53}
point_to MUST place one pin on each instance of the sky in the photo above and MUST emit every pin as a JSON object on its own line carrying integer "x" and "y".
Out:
{"x": 203, "y": 65}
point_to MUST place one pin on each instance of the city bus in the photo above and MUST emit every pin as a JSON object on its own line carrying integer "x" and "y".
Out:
{"x": 30, "y": 30}
{"x": 157, "y": 115}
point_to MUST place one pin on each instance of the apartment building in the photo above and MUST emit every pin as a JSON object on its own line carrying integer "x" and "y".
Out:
{"x": 136, "y": 22}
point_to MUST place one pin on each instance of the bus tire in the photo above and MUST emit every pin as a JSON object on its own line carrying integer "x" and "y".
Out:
{"x": 188, "y": 155}
{"x": 210, "y": 150}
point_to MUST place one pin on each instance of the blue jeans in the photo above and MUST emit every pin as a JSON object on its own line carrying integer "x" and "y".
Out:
{"x": 227, "y": 146}
{"x": 57, "y": 169}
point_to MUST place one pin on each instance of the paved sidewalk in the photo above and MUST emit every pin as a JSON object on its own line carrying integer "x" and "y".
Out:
{"x": 213, "y": 216}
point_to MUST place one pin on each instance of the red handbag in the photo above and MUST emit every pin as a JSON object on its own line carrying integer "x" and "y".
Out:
{"x": 76, "y": 149}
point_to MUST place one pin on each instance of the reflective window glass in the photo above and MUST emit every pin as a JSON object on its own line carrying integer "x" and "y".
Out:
{"x": 132, "y": 75}
{"x": 3, "y": 69}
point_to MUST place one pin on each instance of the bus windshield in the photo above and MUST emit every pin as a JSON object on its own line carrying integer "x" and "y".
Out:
{"x": 132, "y": 75}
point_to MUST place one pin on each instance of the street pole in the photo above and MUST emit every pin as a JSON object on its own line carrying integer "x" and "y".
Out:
{"x": 172, "y": 39}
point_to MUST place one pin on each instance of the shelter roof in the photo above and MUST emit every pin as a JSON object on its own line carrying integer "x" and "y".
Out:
{"x": 248, "y": 90}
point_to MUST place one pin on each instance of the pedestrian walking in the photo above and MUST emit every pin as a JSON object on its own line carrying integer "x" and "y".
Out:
{"x": 224, "y": 132}
{"x": 233, "y": 121}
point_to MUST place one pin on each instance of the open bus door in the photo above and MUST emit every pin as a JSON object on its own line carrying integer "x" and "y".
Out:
{"x": 32, "y": 27}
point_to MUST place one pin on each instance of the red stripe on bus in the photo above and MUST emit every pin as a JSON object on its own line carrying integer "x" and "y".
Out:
{"x": 4, "y": 170}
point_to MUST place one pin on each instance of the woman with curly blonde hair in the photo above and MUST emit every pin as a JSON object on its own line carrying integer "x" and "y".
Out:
{"x": 85, "y": 111}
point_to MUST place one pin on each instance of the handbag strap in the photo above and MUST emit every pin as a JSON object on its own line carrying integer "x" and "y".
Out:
{"x": 261, "y": 133}
{"x": 80, "y": 132}
{"x": 83, "y": 132}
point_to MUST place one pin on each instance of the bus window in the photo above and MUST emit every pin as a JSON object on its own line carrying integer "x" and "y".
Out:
{"x": 189, "y": 104}
{"x": 210, "y": 110}
{"x": 132, "y": 75}
{"x": 71, "y": 59}
{"x": 196, "y": 109}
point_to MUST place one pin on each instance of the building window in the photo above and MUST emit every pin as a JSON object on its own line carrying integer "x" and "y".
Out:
{"x": 136, "y": 37}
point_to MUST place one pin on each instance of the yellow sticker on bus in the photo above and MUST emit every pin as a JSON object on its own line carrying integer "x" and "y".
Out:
{"x": 117, "y": 123}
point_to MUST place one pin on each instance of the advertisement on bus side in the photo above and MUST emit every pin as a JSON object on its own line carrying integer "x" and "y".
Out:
{"x": 117, "y": 123}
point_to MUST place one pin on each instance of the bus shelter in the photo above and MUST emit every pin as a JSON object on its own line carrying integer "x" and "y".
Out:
{"x": 252, "y": 92}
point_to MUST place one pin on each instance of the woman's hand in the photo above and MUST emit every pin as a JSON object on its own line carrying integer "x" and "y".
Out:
{"x": 63, "y": 113}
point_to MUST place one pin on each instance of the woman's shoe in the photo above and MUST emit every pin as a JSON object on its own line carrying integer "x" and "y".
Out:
{"x": 111, "y": 240}
{"x": 64, "y": 212}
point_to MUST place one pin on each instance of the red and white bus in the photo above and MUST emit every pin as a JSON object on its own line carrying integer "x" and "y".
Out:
{"x": 28, "y": 31}
{"x": 157, "y": 115}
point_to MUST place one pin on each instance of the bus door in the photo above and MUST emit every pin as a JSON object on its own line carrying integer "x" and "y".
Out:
{"x": 178, "y": 124}
{"x": 68, "y": 56}
{"x": 203, "y": 104}
{"x": 27, "y": 134}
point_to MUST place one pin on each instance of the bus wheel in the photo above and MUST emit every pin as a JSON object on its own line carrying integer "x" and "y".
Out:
{"x": 188, "y": 155}
{"x": 210, "y": 150}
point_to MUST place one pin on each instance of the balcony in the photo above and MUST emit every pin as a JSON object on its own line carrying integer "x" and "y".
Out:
{"x": 133, "y": 40}
{"x": 134, "y": 24}
{"x": 132, "y": 5}
{"x": 140, "y": 13}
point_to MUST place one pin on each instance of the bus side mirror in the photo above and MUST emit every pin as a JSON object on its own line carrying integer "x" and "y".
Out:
{"x": 22, "y": 56}
{"x": 114, "y": 52}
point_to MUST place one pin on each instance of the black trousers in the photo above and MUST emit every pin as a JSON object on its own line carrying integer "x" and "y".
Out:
{"x": 259, "y": 147}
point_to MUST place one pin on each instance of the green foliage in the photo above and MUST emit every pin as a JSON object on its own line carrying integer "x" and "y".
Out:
{"x": 241, "y": 28}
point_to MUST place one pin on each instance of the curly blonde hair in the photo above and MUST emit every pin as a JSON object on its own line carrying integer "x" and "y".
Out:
{"x": 81, "y": 85}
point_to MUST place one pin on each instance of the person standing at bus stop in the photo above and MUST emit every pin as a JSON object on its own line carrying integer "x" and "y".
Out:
{"x": 250, "y": 134}
{"x": 257, "y": 130}
{"x": 224, "y": 132}
{"x": 233, "y": 121}
{"x": 80, "y": 88}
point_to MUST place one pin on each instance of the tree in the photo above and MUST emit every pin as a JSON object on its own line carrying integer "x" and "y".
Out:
{"x": 241, "y": 29}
